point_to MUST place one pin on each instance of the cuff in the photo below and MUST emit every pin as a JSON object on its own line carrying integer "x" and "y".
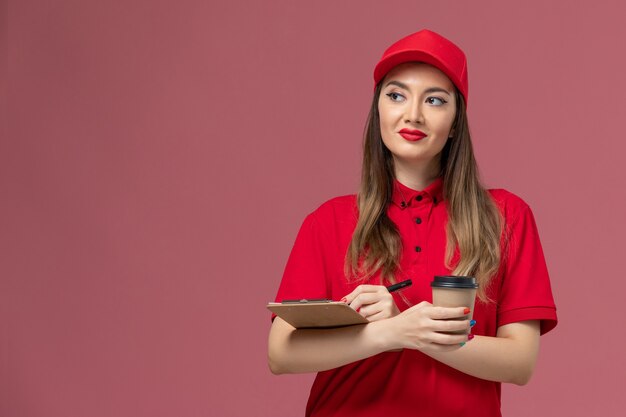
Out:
{"x": 547, "y": 316}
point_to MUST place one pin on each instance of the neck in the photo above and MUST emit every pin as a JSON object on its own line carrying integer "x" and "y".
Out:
{"x": 416, "y": 176}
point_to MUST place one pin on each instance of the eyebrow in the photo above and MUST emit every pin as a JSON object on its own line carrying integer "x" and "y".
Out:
{"x": 428, "y": 90}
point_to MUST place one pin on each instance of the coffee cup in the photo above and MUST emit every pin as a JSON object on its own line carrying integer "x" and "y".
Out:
{"x": 455, "y": 291}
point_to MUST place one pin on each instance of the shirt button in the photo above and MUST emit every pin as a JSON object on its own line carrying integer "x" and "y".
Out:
{"x": 419, "y": 198}
{"x": 403, "y": 204}
{"x": 418, "y": 249}
{"x": 435, "y": 200}
{"x": 418, "y": 220}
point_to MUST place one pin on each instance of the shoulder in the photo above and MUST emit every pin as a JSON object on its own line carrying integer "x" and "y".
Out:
{"x": 337, "y": 208}
{"x": 511, "y": 205}
{"x": 335, "y": 217}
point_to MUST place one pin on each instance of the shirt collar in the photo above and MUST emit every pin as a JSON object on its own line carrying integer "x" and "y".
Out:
{"x": 403, "y": 196}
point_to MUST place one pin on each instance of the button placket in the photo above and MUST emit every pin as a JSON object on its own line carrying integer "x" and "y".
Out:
{"x": 417, "y": 214}
{"x": 421, "y": 210}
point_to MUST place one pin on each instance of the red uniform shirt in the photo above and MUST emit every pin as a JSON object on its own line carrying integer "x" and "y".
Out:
{"x": 410, "y": 383}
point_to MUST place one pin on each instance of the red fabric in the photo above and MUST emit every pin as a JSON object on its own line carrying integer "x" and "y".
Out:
{"x": 408, "y": 382}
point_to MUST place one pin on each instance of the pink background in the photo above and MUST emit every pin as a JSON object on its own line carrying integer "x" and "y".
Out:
{"x": 158, "y": 157}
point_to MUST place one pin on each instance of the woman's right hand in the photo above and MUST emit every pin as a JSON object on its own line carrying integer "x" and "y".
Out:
{"x": 419, "y": 327}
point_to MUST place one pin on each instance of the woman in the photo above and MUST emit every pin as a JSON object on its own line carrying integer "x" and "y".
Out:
{"x": 420, "y": 211}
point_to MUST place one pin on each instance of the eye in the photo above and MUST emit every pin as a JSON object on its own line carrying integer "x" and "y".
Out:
{"x": 438, "y": 101}
{"x": 393, "y": 96}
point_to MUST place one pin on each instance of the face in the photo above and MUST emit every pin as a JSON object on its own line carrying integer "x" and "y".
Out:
{"x": 417, "y": 106}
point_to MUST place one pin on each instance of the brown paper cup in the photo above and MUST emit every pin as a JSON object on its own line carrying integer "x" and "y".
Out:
{"x": 455, "y": 291}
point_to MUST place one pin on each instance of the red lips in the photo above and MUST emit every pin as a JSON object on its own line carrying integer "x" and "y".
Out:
{"x": 412, "y": 134}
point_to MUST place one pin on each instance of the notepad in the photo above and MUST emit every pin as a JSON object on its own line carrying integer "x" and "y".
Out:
{"x": 315, "y": 314}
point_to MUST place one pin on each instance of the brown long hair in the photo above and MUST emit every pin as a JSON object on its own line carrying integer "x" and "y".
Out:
{"x": 474, "y": 221}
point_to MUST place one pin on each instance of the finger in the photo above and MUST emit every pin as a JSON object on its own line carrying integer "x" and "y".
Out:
{"x": 448, "y": 339}
{"x": 363, "y": 288}
{"x": 450, "y": 325}
{"x": 364, "y": 299}
{"x": 369, "y": 288}
{"x": 439, "y": 313}
{"x": 378, "y": 316}
{"x": 381, "y": 315}
{"x": 370, "y": 309}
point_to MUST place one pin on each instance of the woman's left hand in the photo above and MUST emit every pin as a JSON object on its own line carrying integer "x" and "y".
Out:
{"x": 373, "y": 302}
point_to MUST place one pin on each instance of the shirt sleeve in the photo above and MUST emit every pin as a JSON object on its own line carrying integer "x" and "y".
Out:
{"x": 525, "y": 293}
{"x": 305, "y": 272}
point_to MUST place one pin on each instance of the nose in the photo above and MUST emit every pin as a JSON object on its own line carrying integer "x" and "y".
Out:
{"x": 414, "y": 112}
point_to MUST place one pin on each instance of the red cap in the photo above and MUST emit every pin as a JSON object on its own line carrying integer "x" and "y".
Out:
{"x": 431, "y": 48}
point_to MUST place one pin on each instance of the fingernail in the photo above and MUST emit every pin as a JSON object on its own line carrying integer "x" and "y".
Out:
{"x": 344, "y": 300}
{"x": 466, "y": 311}
{"x": 470, "y": 336}
{"x": 462, "y": 343}
{"x": 472, "y": 323}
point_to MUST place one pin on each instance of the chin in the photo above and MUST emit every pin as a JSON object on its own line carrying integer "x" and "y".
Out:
{"x": 413, "y": 158}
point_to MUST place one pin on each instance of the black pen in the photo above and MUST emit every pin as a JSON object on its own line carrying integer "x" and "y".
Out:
{"x": 399, "y": 285}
